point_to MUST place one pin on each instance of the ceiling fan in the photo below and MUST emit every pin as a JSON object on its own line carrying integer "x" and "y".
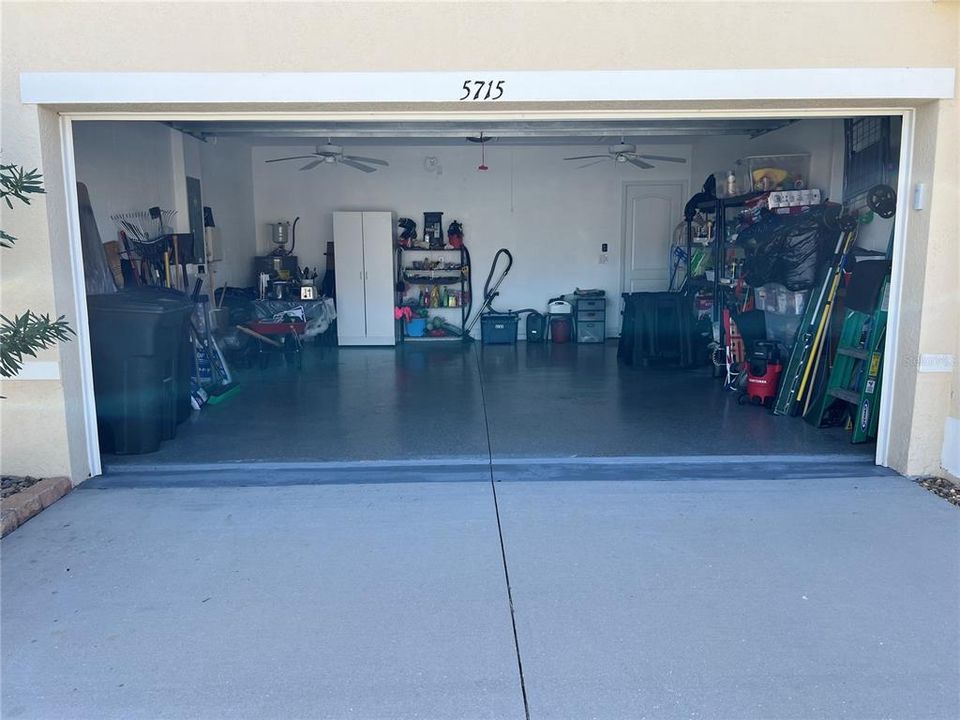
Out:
{"x": 333, "y": 154}
{"x": 625, "y": 153}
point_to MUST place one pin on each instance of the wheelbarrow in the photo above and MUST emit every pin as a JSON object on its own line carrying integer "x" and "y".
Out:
{"x": 271, "y": 337}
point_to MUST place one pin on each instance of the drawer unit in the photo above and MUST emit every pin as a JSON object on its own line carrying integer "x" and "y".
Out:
{"x": 592, "y": 304}
{"x": 591, "y": 315}
{"x": 591, "y": 332}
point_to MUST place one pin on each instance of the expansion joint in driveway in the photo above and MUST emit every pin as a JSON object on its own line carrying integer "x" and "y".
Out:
{"x": 503, "y": 551}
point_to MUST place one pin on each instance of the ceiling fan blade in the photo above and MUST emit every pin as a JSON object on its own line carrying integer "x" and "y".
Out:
{"x": 586, "y": 157}
{"x": 664, "y": 158}
{"x": 372, "y": 161}
{"x": 357, "y": 165}
{"x": 295, "y": 157}
{"x": 595, "y": 162}
{"x": 639, "y": 163}
{"x": 311, "y": 165}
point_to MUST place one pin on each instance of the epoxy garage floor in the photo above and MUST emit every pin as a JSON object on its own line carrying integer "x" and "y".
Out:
{"x": 470, "y": 402}
{"x": 772, "y": 590}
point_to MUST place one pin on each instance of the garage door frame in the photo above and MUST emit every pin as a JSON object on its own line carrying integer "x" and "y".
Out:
{"x": 67, "y": 118}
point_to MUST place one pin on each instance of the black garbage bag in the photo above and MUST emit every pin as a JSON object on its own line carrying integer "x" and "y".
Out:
{"x": 786, "y": 249}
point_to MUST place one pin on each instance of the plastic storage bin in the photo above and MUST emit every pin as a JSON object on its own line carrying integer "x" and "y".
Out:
{"x": 591, "y": 331}
{"x": 140, "y": 343}
{"x": 498, "y": 328}
{"x": 775, "y": 298}
{"x": 764, "y": 173}
{"x": 782, "y": 328}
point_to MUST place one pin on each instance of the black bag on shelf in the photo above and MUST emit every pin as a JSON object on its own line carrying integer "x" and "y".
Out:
{"x": 786, "y": 249}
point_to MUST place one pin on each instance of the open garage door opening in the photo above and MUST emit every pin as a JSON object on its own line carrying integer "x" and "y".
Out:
{"x": 301, "y": 292}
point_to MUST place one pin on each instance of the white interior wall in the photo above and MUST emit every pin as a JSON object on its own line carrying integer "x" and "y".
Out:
{"x": 822, "y": 139}
{"x": 126, "y": 166}
{"x": 227, "y": 186}
{"x": 552, "y": 216}
{"x": 129, "y": 166}
{"x": 192, "y": 164}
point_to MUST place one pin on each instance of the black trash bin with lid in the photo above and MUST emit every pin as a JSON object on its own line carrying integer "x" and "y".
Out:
{"x": 140, "y": 342}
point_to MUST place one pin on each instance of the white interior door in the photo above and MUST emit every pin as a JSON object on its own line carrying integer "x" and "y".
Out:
{"x": 348, "y": 257}
{"x": 378, "y": 277}
{"x": 651, "y": 211}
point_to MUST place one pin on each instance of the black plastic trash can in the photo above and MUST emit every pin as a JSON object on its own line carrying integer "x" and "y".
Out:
{"x": 140, "y": 342}
{"x": 657, "y": 328}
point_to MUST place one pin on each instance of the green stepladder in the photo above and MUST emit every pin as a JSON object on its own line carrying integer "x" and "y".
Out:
{"x": 853, "y": 387}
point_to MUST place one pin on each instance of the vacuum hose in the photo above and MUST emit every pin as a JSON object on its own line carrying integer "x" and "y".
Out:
{"x": 469, "y": 264}
{"x": 293, "y": 236}
{"x": 488, "y": 294}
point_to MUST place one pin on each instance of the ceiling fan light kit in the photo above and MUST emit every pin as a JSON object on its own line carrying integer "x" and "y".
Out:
{"x": 331, "y": 154}
{"x": 624, "y": 153}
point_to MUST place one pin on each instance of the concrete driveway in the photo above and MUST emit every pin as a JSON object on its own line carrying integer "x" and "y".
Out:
{"x": 634, "y": 595}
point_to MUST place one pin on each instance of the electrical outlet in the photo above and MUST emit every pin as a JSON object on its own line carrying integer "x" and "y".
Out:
{"x": 604, "y": 258}
{"x": 935, "y": 363}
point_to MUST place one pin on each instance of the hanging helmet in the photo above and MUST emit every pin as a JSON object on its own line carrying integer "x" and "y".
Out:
{"x": 407, "y": 228}
{"x": 455, "y": 234}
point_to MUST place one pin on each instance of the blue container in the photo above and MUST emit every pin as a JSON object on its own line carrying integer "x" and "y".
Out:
{"x": 416, "y": 327}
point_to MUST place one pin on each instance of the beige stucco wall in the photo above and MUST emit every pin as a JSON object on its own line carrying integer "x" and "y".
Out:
{"x": 41, "y": 420}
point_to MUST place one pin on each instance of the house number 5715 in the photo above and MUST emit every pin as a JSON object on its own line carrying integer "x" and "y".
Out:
{"x": 483, "y": 89}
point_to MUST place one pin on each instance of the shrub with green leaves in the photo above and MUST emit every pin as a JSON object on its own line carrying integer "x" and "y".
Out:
{"x": 25, "y": 334}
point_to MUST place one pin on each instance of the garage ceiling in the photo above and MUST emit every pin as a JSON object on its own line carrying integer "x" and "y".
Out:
{"x": 454, "y": 133}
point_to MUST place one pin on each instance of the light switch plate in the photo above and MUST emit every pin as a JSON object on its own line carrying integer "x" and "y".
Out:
{"x": 935, "y": 363}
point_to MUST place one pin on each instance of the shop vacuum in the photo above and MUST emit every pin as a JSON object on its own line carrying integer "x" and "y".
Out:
{"x": 763, "y": 373}
{"x": 497, "y": 327}
{"x": 536, "y": 326}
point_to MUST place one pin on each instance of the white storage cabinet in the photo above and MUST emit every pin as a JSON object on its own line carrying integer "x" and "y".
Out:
{"x": 363, "y": 254}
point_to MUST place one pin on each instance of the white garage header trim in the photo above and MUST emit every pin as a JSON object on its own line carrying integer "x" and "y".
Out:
{"x": 488, "y": 88}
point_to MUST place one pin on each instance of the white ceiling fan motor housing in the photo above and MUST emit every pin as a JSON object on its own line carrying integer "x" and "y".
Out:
{"x": 330, "y": 152}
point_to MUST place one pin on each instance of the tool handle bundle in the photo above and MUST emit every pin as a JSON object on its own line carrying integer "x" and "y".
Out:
{"x": 805, "y": 357}
{"x": 153, "y": 252}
